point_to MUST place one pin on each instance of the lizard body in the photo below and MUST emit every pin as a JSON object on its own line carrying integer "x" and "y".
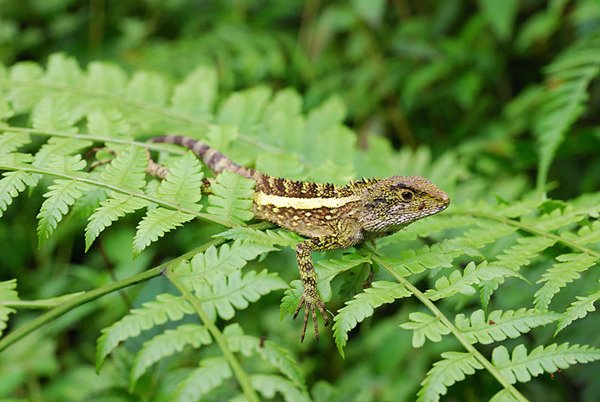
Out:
{"x": 329, "y": 216}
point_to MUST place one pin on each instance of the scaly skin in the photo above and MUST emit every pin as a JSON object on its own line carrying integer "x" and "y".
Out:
{"x": 329, "y": 216}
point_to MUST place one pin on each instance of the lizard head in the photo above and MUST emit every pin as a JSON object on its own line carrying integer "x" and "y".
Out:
{"x": 392, "y": 203}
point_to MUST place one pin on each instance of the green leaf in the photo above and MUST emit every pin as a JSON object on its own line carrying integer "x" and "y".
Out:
{"x": 8, "y": 293}
{"x": 165, "y": 308}
{"x": 10, "y": 142}
{"x": 566, "y": 270}
{"x": 232, "y": 198}
{"x": 148, "y": 88}
{"x": 11, "y": 185}
{"x": 269, "y": 385}
{"x": 578, "y": 309}
{"x": 196, "y": 94}
{"x": 62, "y": 194}
{"x": 155, "y": 224}
{"x": 128, "y": 170}
{"x": 108, "y": 122}
{"x": 425, "y": 326}
{"x": 500, "y": 16}
{"x": 234, "y": 292}
{"x": 106, "y": 78}
{"x": 454, "y": 367}
{"x": 500, "y": 325}
{"x": 108, "y": 212}
{"x": 183, "y": 184}
{"x": 362, "y": 306}
{"x": 166, "y": 344}
{"x": 54, "y": 113}
{"x": 277, "y": 237}
{"x": 211, "y": 373}
{"x": 522, "y": 366}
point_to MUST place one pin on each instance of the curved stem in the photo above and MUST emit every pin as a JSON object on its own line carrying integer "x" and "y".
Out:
{"x": 91, "y": 295}
{"x": 238, "y": 371}
{"x": 455, "y": 331}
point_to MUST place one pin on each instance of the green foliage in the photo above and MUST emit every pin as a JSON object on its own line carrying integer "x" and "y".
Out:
{"x": 454, "y": 87}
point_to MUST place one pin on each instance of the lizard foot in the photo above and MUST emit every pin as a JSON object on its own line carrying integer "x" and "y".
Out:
{"x": 311, "y": 303}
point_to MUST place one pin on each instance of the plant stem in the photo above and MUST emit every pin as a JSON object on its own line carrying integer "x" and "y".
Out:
{"x": 94, "y": 294}
{"x": 238, "y": 371}
{"x": 455, "y": 331}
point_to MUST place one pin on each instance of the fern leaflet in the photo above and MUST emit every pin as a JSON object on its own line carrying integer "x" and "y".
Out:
{"x": 521, "y": 367}
{"x": 453, "y": 368}
{"x": 166, "y": 344}
{"x": 183, "y": 184}
{"x": 269, "y": 385}
{"x": 501, "y": 324}
{"x": 10, "y": 142}
{"x": 211, "y": 373}
{"x": 425, "y": 326}
{"x": 278, "y": 237}
{"x": 362, "y": 306}
{"x": 165, "y": 307}
{"x": 578, "y": 309}
{"x": 155, "y": 224}
{"x": 11, "y": 185}
{"x": 8, "y": 293}
{"x": 564, "y": 271}
{"x": 231, "y": 198}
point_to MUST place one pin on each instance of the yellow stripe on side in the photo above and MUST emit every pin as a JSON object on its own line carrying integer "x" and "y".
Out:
{"x": 279, "y": 201}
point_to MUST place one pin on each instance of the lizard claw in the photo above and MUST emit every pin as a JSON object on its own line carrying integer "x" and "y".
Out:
{"x": 311, "y": 304}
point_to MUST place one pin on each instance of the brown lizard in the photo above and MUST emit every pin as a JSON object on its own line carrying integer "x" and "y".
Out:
{"x": 329, "y": 216}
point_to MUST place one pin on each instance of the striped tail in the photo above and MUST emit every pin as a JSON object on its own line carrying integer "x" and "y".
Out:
{"x": 215, "y": 160}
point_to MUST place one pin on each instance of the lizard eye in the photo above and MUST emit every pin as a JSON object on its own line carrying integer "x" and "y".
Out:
{"x": 407, "y": 195}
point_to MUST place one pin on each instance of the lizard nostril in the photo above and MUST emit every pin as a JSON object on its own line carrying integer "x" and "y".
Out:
{"x": 421, "y": 206}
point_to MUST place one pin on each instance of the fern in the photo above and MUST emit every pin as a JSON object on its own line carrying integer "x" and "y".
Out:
{"x": 231, "y": 198}
{"x": 279, "y": 237}
{"x": 166, "y": 344}
{"x": 183, "y": 184}
{"x": 155, "y": 224}
{"x": 268, "y": 385}
{"x": 11, "y": 185}
{"x": 362, "y": 306}
{"x": 564, "y": 271}
{"x": 567, "y": 81}
{"x": 454, "y": 367}
{"x": 166, "y": 307}
{"x": 425, "y": 326}
{"x": 211, "y": 373}
{"x": 8, "y": 294}
{"x": 500, "y": 325}
{"x": 522, "y": 366}
{"x": 578, "y": 309}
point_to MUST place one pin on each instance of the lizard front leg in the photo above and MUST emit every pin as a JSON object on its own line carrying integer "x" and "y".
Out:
{"x": 349, "y": 234}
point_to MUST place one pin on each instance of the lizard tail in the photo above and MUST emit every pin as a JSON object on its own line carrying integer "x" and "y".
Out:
{"x": 215, "y": 160}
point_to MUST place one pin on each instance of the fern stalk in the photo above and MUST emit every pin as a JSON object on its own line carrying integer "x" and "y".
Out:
{"x": 455, "y": 331}
{"x": 240, "y": 374}
{"x": 86, "y": 297}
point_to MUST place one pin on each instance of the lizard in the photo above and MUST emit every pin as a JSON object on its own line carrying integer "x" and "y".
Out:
{"x": 328, "y": 216}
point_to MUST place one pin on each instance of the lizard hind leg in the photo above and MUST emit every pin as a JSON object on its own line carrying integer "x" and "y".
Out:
{"x": 310, "y": 300}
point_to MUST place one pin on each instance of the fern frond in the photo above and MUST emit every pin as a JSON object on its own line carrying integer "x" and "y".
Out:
{"x": 425, "y": 326}
{"x": 107, "y": 122}
{"x": 183, "y": 184}
{"x": 423, "y": 229}
{"x": 515, "y": 257}
{"x": 362, "y": 306}
{"x": 522, "y": 366}
{"x": 8, "y": 293}
{"x": 11, "y": 185}
{"x": 462, "y": 282}
{"x": 127, "y": 170}
{"x": 213, "y": 264}
{"x": 277, "y": 237}
{"x": 10, "y": 142}
{"x": 196, "y": 94}
{"x": 501, "y": 324}
{"x": 586, "y": 235}
{"x": 211, "y": 373}
{"x": 232, "y": 198}
{"x": 326, "y": 271}
{"x": 108, "y": 212}
{"x": 165, "y": 307}
{"x": 223, "y": 296}
{"x": 269, "y": 385}
{"x": 61, "y": 195}
{"x": 454, "y": 367}
{"x": 557, "y": 218}
{"x": 578, "y": 309}
{"x": 155, "y": 224}
{"x": 568, "y": 78}
{"x": 416, "y": 261}
{"x": 166, "y": 344}
{"x": 269, "y": 351}
{"x": 566, "y": 270}
{"x": 55, "y": 113}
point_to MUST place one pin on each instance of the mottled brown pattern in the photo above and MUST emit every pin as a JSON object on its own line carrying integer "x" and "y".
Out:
{"x": 329, "y": 216}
